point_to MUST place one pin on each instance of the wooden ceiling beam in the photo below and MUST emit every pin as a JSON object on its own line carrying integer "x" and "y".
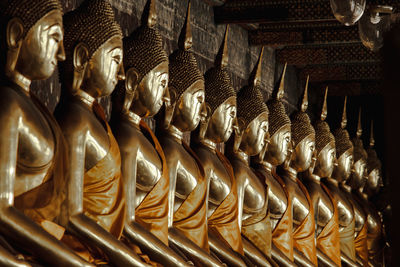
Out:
{"x": 351, "y": 53}
{"x": 335, "y": 72}
{"x": 264, "y": 11}
{"x": 287, "y": 34}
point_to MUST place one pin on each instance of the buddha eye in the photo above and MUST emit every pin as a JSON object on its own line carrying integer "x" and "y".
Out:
{"x": 287, "y": 139}
{"x": 117, "y": 59}
{"x": 200, "y": 98}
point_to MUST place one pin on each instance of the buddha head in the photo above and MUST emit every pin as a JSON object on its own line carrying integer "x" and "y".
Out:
{"x": 358, "y": 174}
{"x": 220, "y": 99}
{"x": 279, "y": 126}
{"x": 252, "y": 114}
{"x": 303, "y": 137}
{"x": 344, "y": 150}
{"x": 146, "y": 67}
{"x": 93, "y": 45}
{"x": 186, "y": 84}
{"x": 324, "y": 144}
{"x": 374, "y": 172}
{"x": 33, "y": 38}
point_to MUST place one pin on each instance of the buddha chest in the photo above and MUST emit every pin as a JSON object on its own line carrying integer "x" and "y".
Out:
{"x": 323, "y": 206}
{"x": 253, "y": 190}
{"x": 277, "y": 198}
{"x": 217, "y": 176}
{"x": 345, "y": 208}
{"x": 300, "y": 207}
{"x": 36, "y": 144}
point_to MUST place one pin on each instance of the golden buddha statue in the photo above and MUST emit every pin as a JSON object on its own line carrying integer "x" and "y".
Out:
{"x": 249, "y": 140}
{"x": 264, "y": 164}
{"x": 325, "y": 208}
{"x": 220, "y": 98}
{"x": 354, "y": 183}
{"x": 344, "y": 155}
{"x": 187, "y": 215}
{"x": 144, "y": 171}
{"x": 375, "y": 241}
{"x": 95, "y": 205}
{"x": 32, "y": 157}
{"x": 303, "y": 145}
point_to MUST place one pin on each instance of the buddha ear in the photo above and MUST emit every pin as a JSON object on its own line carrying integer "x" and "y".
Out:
{"x": 15, "y": 31}
{"x": 80, "y": 61}
{"x": 131, "y": 84}
{"x": 170, "y": 103}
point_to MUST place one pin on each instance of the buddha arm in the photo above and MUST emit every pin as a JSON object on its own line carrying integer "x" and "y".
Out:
{"x": 300, "y": 259}
{"x": 8, "y": 259}
{"x": 191, "y": 250}
{"x": 80, "y": 224}
{"x": 347, "y": 261}
{"x": 280, "y": 258}
{"x": 225, "y": 253}
{"x": 323, "y": 259}
{"x": 14, "y": 225}
{"x": 133, "y": 231}
{"x": 255, "y": 255}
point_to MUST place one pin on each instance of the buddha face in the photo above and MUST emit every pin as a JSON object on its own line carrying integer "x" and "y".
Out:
{"x": 151, "y": 91}
{"x": 326, "y": 161}
{"x": 358, "y": 173}
{"x": 374, "y": 181}
{"x": 277, "y": 150}
{"x": 187, "y": 113}
{"x": 253, "y": 139}
{"x": 219, "y": 127}
{"x": 303, "y": 153}
{"x": 344, "y": 166}
{"x": 104, "y": 69}
{"x": 42, "y": 48}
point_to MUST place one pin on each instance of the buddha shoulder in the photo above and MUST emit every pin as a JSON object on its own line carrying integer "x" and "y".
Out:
{"x": 19, "y": 113}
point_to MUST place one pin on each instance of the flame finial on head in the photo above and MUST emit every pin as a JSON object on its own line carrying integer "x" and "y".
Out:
{"x": 255, "y": 76}
{"x": 343, "y": 124}
{"x": 279, "y": 92}
{"x": 324, "y": 112}
{"x": 304, "y": 102}
{"x": 359, "y": 127}
{"x": 371, "y": 139}
{"x": 185, "y": 40}
{"x": 149, "y": 16}
{"x": 221, "y": 60}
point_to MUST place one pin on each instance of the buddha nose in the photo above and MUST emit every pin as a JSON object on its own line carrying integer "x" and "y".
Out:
{"x": 121, "y": 73}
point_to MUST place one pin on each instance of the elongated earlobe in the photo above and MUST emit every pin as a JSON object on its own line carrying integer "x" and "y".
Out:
{"x": 131, "y": 83}
{"x": 80, "y": 61}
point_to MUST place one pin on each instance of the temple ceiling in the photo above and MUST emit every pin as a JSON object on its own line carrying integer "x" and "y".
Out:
{"x": 306, "y": 34}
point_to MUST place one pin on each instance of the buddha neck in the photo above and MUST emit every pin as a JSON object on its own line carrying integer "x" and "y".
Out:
{"x": 20, "y": 80}
{"x": 292, "y": 173}
{"x": 345, "y": 187}
{"x": 313, "y": 177}
{"x": 175, "y": 133}
{"x": 133, "y": 118}
{"x": 242, "y": 156}
{"x": 209, "y": 144}
{"x": 333, "y": 181}
{"x": 267, "y": 166}
{"x": 85, "y": 98}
